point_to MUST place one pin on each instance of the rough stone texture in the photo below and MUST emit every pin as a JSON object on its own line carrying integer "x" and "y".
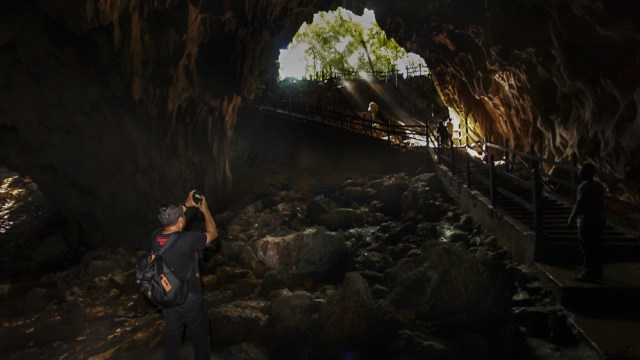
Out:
{"x": 312, "y": 255}
{"x": 105, "y": 102}
{"x": 346, "y": 318}
{"x": 560, "y": 76}
{"x": 109, "y": 101}
{"x": 446, "y": 282}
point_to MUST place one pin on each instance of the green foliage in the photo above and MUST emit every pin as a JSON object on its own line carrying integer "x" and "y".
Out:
{"x": 339, "y": 41}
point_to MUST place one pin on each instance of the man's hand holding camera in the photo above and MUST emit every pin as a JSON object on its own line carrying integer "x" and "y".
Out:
{"x": 196, "y": 199}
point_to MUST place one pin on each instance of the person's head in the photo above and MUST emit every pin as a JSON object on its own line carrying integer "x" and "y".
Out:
{"x": 171, "y": 214}
{"x": 587, "y": 171}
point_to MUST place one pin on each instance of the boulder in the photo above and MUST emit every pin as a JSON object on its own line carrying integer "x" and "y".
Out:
{"x": 292, "y": 319}
{"x": 346, "y": 318}
{"x": 342, "y": 218}
{"x": 359, "y": 195}
{"x": 313, "y": 255}
{"x": 238, "y": 322}
{"x": 389, "y": 192}
{"x": 447, "y": 281}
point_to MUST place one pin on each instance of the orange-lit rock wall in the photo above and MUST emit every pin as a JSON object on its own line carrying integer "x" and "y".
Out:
{"x": 561, "y": 76}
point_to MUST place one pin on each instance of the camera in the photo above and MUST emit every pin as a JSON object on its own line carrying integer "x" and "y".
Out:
{"x": 197, "y": 197}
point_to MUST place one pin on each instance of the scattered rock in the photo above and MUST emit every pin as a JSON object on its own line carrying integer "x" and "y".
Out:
{"x": 426, "y": 283}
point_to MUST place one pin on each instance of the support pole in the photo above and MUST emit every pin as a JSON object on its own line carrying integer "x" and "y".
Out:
{"x": 468, "y": 169}
{"x": 453, "y": 161}
{"x": 493, "y": 189}
{"x": 506, "y": 154}
{"x": 574, "y": 175}
{"x": 536, "y": 192}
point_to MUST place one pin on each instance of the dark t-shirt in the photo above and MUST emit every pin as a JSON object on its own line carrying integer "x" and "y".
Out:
{"x": 181, "y": 256}
{"x": 590, "y": 203}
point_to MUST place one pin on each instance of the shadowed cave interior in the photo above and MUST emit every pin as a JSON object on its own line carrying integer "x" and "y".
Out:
{"x": 333, "y": 244}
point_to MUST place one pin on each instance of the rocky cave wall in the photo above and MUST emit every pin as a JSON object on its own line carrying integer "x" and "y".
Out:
{"x": 112, "y": 106}
{"x": 561, "y": 76}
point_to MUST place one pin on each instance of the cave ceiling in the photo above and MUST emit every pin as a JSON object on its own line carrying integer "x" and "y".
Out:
{"x": 108, "y": 101}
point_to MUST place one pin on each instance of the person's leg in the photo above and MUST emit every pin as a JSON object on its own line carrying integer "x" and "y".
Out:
{"x": 590, "y": 238}
{"x": 174, "y": 329}
{"x": 198, "y": 326}
{"x": 593, "y": 239}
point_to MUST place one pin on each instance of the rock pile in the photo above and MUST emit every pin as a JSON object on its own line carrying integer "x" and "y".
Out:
{"x": 380, "y": 267}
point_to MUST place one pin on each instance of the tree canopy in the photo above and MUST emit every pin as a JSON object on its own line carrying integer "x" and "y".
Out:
{"x": 342, "y": 42}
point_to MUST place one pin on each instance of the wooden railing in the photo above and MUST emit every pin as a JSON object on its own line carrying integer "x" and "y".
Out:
{"x": 390, "y": 75}
{"x": 388, "y": 129}
{"x": 499, "y": 162}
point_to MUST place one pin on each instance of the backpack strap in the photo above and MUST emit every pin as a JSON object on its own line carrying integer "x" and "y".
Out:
{"x": 172, "y": 238}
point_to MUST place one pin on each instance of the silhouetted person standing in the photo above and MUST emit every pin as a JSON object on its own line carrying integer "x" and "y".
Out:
{"x": 589, "y": 211}
{"x": 449, "y": 126}
{"x": 443, "y": 134}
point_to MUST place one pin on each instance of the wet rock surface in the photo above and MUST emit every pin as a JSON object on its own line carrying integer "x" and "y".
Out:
{"x": 412, "y": 278}
{"x": 34, "y": 236}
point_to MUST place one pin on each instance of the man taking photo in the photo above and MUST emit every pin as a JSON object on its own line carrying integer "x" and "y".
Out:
{"x": 182, "y": 257}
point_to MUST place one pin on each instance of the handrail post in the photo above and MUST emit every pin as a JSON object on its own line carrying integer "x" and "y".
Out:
{"x": 574, "y": 175}
{"x": 506, "y": 155}
{"x": 485, "y": 148}
{"x": 536, "y": 192}
{"x": 468, "y": 169}
{"x": 493, "y": 189}
{"x": 453, "y": 161}
{"x": 426, "y": 133}
{"x": 537, "y": 204}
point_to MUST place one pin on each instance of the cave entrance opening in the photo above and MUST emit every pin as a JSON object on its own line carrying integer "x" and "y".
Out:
{"x": 344, "y": 62}
{"x": 340, "y": 44}
{"x": 33, "y": 233}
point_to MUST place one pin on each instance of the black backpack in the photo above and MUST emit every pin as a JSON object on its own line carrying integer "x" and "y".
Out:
{"x": 157, "y": 280}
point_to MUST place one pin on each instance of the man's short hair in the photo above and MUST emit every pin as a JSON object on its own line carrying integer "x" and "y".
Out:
{"x": 169, "y": 213}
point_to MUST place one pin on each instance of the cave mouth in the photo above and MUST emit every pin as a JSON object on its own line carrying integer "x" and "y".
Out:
{"x": 351, "y": 52}
{"x": 36, "y": 237}
{"x": 342, "y": 44}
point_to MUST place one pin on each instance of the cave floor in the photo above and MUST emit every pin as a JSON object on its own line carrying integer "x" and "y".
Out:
{"x": 605, "y": 313}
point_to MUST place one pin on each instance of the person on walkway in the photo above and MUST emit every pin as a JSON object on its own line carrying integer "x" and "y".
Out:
{"x": 443, "y": 134}
{"x": 589, "y": 211}
{"x": 449, "y": 126}
{"x": 373, "y": 110}
{"x": 182, "y": 256}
